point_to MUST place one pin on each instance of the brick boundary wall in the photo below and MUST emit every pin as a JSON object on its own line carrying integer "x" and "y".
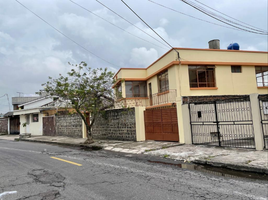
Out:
{"x": 69, "y": 125}
{"x": 117, "y": 124}
{"x": 4, "y": 125}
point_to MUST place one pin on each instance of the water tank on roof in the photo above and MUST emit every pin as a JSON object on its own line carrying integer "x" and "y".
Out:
{"x": 214, "y": 44}
{"x": 233, "y": 46}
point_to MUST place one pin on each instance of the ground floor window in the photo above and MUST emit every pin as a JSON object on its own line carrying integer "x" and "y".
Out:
{"x": 35, "y": 117}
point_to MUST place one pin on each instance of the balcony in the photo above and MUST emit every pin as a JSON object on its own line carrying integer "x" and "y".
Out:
{"x": 156, "y": 99}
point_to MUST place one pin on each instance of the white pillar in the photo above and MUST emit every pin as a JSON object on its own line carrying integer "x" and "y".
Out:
{"x": 256, "y": 117}
{"x": 8, "y": 125}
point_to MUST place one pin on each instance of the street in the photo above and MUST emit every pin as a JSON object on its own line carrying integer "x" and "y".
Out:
{"x": 36, "y": 171}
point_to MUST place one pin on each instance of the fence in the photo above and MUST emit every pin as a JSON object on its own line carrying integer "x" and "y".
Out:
{"x": 155, "y": 99}
{"x": 263, "y": 100}
{"x": 226, "y": 122}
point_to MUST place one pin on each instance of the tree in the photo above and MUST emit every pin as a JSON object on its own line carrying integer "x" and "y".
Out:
{"x": 88, "y": 91}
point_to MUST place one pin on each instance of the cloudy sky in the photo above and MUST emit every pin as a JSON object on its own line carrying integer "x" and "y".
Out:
{"x": 31, "y": 50}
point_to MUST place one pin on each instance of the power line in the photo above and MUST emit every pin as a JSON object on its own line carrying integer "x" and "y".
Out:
{"x": 66, "y": 35}
{"x": 113, "y": 24}
{"x": 7, "y": 100}
{"x": 228, "y": 15}
{"x": 228, "y": 20}
{"x": 210, "y": 15}
{"x": 191, "y": 15}
{"x": 223, "y": 19}
{"x": 147, "y": 24}
{"x": 128, "y": 21}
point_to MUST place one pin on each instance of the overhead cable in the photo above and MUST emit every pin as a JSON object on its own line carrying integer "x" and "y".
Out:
{"x": 228, "y": 23}
{"x": 191, "y": 15}
{"x": 67, "y": 36}
{"x": 147, "y": 24}
{"x": 129, "y": 21}
{"x": 223, "y": 18}
{"x": 114, "y": 24}
{"x": 229, "y": 16}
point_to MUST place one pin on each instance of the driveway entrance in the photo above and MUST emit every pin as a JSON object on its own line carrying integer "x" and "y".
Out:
{"x": 161, "y": 124}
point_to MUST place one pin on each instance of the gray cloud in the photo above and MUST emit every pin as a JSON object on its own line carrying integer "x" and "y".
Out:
{"x": 30, "y": 50}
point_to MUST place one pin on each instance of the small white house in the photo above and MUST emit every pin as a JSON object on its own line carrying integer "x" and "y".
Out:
{"x": 31, "y": 114}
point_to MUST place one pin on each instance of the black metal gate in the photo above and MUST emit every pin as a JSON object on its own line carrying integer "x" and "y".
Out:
{"x": 263, "y": 99}
{"x": 226, "y": 123}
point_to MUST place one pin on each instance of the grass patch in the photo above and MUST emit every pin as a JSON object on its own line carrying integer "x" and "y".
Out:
{"x": 249, "y": 161}
{"x": 166, "y": 156}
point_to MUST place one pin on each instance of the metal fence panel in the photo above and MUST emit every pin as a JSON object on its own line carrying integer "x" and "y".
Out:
{"x": 263, "y": 99}
{"x": 225, "y": 123}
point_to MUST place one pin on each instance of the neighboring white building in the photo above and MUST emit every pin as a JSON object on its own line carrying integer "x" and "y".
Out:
{"x": 31, "y": 114}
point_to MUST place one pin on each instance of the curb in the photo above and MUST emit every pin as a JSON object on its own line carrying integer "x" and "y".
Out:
{"x": 202, "y": 162}
{"x": 232, "y": 166}
{"x": 63, "y": 144}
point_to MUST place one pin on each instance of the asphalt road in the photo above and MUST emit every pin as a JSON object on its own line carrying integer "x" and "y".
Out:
{"x": 35, "y": 171}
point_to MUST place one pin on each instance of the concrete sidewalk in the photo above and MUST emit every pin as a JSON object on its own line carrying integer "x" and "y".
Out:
{"x": 239, "y": 159}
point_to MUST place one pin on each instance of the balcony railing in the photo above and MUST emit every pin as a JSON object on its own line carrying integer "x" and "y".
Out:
{"x": 163, "y": 98}
{"x": 156, "y": 99}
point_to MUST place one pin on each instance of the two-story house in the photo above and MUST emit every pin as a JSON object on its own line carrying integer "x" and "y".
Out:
{"x": 183, "y": 73}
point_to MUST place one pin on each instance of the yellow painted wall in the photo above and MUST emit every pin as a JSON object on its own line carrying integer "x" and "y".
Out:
{"x": 132, "y": 73}
{"x": 154, "y": 83}
{"x": 223, "y": 56}
{"x": 171, "y": 56}
{"x": 228, "y": 83}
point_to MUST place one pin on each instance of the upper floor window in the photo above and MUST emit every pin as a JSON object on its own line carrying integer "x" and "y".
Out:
{"x": 136, "y": 89}
{"x": 202, "y": 76}
{"x": 163, "y": 82}
{"x": 262, "y": 76}
{"x": 236, "y": 69}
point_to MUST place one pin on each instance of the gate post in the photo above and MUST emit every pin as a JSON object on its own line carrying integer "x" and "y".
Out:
{"x": 256, "y": 118}
{"x": 140, "y": 124}
{"x": 217, "y": 122}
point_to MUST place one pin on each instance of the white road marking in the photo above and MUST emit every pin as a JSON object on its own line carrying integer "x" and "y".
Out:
{"x": 7, "y": 193}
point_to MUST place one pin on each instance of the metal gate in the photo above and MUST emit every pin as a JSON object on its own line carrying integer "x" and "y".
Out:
{"x": 225, "y": 123}
{"x": 161, "y": 124}
{"x": 263, "y": 99}
{"x": 49, "y": 126}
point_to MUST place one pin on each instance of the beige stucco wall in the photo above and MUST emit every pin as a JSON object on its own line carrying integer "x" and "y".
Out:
{"x": 35, "y": 128}
{"x": 132, "y": 73}
{"x": 154, "y": 84}
{"x": 140, "y": 125}
{"x": 227, "y": 83}
{"x": 169, "y": 57}
{"x": 223, "y": 56}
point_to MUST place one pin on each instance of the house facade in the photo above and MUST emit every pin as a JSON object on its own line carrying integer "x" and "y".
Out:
{"x": 182, "y": 73}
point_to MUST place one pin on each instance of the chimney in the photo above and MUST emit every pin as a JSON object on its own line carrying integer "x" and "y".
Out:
{"x": 214, "y": 44}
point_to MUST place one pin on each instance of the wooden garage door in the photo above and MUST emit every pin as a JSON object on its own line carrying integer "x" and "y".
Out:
{"x": 161, "y": 124}
{"x": 49, "y": 126}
